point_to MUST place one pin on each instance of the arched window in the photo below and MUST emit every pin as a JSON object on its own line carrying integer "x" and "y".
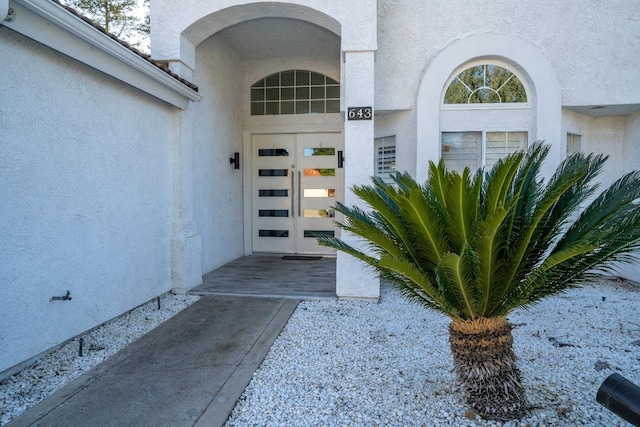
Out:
{"x": 295, "y": 92}
{"x": 476, "y": 137}
{"x": 486, "y": 83}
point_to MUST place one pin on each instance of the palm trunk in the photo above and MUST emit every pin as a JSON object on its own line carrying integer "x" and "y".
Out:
{"x": 485, "y": 365}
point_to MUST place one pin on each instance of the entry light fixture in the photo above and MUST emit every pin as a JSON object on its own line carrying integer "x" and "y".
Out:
{"x": 235, "y": 160}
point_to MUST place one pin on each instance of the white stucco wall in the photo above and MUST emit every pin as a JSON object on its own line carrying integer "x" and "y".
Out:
{"x": 85, "y": 166}
{"x": 584, "y": 41}
{"x": 402, "y": 126}
{"x": 631, "y": 162}
{"x": 602, "y": 135}
{"x": 631, "y": 152}
{"x": 217, "y": 133}
{"x": 176, "y": 31}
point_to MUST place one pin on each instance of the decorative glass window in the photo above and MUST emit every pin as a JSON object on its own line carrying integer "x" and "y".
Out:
{"x": 487, "y": 83}
{"x": 574, "y": 143}
{"x": 477, "y": 149}
{"x": 385, "y": 157}
{"x": 295, "y": 92}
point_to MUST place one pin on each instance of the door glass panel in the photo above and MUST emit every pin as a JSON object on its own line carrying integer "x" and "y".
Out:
{"x": 273, "y": 172}
{"x": 315, "y": 233}
{"x": 319, "y": 151}
{"x": 274, "y": 212}
{"x": 319, "y": 192}
{"x": 273, "y": 193}
{"x": 273, "y": 233}
{"x": 319, "y": 213}
{"x": 273, "y": 152}
{"x": 319, "y": 172}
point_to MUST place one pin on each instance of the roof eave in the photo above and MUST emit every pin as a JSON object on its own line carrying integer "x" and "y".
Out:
{"x": 80, "y": 40}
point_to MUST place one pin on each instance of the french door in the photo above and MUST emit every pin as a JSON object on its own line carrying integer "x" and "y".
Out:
{"x": 296, "y": 179}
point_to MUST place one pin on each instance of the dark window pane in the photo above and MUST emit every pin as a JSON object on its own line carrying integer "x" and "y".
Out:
{"x": 267, "y": 152}
{"x": 287, "y": 107}
{"x": 259, "y": 84}
{"x": 317, "y": 106}
{"x": 317, "y": 92}
{"x": 257, "y": 108}
{"x": 317, "y": 79}
{"x": 273, "y": 108}
{"x": 287, "y": 78}
{"x": 257, "y": 94}
{"x": 281, "y": 213}
{"x": 302, "y": 78}
{"x": 333, "y": 92}
{"x": 302, "y": 93}
{"x": 273, "y": 172}
{"x": 273, "y": 233}
{"x": 273, "y": 94}
{"x": 333, "y": 107}
{"x": 330, "y": 81}
{"x": 286, "y": 93}
{"x": 315, "y": 233}
{"x": 274, "y": 193}
{"x": 302, "y": 107}
{"x": 273, "y": 81}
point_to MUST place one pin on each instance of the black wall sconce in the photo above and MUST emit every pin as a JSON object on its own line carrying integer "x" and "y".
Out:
{"x": 235, "y": 160}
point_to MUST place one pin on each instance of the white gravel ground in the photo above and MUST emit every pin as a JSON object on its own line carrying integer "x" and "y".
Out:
{"x": 388, "y": 364}
{"x": 61, "y": 366}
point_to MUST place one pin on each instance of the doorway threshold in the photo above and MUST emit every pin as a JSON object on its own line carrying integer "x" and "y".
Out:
{"x": 271, "y": 276}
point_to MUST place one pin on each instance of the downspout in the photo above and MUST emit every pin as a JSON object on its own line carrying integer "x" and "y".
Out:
{"x": 6, "y": 13}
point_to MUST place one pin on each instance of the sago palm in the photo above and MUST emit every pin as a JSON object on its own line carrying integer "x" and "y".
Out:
{"x": 477, "y": 246}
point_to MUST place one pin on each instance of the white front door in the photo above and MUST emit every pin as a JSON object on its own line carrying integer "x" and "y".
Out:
{"x": 296, "y": 181}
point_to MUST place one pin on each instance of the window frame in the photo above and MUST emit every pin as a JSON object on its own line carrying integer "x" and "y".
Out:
{"x": 573, "y": 135}
{"x": 382, "y": 141}
{"x": 486, "y": 106}
{"x": 273, "y": 90}
{"x": 483, "y": 141}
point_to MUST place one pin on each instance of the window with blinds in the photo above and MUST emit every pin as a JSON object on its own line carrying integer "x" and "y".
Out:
{"x": 385, "y": 157}
{"x": 477, "y": 149}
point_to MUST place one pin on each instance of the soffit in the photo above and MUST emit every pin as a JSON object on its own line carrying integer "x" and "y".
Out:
{"x": 605, "y": 110}
{"x": 273, "y": 38}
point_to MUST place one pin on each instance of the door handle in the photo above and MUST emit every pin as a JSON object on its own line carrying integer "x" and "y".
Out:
{"x": 299, "y": 191}
{"x": 340, "y": 159}
{"x": 293, "y": 192}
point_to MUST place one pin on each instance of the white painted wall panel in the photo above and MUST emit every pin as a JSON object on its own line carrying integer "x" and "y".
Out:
{"x": 85, "y": 184}
{"x": 217, "y": 133}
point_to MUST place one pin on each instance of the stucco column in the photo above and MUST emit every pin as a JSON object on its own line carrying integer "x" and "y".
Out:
{"x": 354, "y": 280}
{"x": 186, "y": 246}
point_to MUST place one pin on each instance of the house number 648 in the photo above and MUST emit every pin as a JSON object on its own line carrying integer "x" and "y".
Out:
{"x": 359, "y": 113}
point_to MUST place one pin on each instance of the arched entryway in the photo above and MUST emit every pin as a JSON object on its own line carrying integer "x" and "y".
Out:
{"x": 227, "y": 47}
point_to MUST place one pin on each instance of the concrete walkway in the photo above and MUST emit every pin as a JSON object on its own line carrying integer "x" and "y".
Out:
{"x": 189, "y": 371}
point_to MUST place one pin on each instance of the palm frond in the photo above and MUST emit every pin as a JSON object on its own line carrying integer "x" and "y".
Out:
{"x": 457, "y": 275}
{"x": 480, "y": 245}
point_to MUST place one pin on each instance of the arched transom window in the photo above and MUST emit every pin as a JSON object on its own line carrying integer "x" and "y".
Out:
{"x": 486, "y": 83}
{"x": 295, "y": 92}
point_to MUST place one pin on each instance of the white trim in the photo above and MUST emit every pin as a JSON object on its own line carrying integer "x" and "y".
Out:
{"x": 74, "y": 37}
